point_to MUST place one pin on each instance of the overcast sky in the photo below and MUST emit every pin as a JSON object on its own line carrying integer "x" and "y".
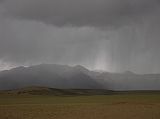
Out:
{"x": 111, "y": 35}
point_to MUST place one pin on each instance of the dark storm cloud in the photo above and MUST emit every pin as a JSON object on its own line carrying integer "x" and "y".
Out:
{"x": 34, "y": 42}
{"x": 114, "y": 35}
{"x": 81, "y": 12}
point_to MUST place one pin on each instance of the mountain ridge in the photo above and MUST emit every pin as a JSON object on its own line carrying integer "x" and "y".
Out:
{"x": 75, "y": 77}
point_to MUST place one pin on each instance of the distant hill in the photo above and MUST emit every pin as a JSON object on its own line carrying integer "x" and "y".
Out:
{"x": 56, "y": 92}
{"x": 40, "y": 91}
{"x": 77, "y": 77}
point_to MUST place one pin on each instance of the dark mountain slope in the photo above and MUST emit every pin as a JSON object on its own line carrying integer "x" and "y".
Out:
{"x": 48, "y": 75}
{"x": 77, "y": 77}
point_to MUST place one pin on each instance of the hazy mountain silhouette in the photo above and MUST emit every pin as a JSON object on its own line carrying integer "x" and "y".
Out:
{"x": 130, "y": 81}
{"x": 77, "y": 77}
{"x": 49, "y": 75}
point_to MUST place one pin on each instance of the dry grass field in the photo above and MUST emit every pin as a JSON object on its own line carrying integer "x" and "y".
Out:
{"x": 116, "y": 106}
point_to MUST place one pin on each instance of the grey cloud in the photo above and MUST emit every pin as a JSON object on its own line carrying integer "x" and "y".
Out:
{"x": 81, "y": 12}
{"x": 30, "y": 33}
{"x": 1, "y": 0}
{"x": 32, "y": 42}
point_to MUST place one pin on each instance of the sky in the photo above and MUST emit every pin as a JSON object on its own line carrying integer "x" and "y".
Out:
{"x": 110, "y": 35}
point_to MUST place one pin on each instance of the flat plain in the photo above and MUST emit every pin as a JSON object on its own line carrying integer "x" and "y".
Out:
{"x": 144, "y": 105}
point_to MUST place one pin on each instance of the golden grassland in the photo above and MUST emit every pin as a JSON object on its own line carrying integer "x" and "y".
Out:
{"x": 117, "y": 106}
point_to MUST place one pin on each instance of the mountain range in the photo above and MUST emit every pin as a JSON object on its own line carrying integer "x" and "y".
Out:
{"x": 76, "y": 77}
